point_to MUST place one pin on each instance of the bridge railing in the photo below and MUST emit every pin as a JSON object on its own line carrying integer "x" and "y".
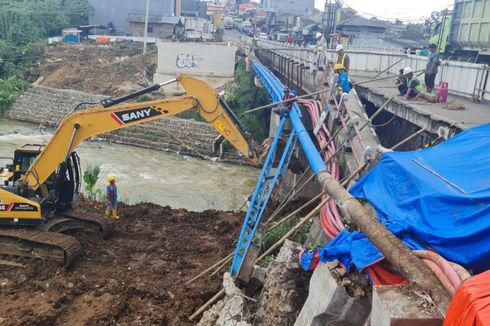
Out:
{"x": 463, "y": 78}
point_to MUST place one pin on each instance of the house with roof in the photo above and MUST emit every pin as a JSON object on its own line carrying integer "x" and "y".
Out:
{"x": 373, "y": 34}
{"x": 117, "y": 13}
{"x": 362, "y": 32}
{"x": 158, "y": 26}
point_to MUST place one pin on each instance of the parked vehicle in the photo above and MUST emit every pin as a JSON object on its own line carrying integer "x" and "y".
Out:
{"x": 228, "y": 24}
{"x": 263, "y": 37}
{"x": 282, "y": 37}
{"x": 461, "y": 33}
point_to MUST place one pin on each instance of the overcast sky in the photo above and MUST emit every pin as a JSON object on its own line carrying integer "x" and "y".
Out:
{"x": 411, "y": 10}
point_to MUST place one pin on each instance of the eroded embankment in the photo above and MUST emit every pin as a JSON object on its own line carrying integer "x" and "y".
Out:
{"x": 135, "y": 277}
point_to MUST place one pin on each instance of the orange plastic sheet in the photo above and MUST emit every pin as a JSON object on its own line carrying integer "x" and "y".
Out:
{"x": 471, "y": 303}
{"x": 381, "y": 276}
{"x": 102, "y": 39}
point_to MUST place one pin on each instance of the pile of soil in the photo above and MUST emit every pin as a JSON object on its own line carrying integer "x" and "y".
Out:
{"x": 112, "y": 70}
{"x": 135, "y": 277}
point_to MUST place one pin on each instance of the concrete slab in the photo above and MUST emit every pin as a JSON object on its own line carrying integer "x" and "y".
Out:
{"x": 474, "y": 114}
{"x": 401, "y": 306}
{"x": 329, "y": 304}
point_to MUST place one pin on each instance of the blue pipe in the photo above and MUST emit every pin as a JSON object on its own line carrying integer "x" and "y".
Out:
{"x": 276, "y": 89}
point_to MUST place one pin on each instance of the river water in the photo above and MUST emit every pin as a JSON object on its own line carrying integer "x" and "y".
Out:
{"x": 145, "y": 175}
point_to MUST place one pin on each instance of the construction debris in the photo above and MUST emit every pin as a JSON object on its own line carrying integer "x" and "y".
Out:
{"x": 285, "y": 287}
{"x": 134, "y": 277}
{"x": 112, "y": 70}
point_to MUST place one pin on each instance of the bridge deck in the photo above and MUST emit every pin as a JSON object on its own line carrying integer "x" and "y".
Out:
{"x": 474, "y": 113}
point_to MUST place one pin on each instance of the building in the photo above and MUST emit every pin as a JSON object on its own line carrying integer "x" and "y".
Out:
{"x": 158, "y": 26}
{"x": 362, "y": 32}
{"x": 302, "y": 8}
{"x": 71, "y": 35}
{"x": 189, "y": 8}
{"x": 116, "y": 13}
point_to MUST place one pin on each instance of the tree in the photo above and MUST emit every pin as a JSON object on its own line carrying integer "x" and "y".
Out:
{"x": 413, "y": 31}
{"x": 244, "y": 95}
{"x": 23, "y": 22}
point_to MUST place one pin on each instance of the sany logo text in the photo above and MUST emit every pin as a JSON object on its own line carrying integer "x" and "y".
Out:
{"x": 136, "y": 115}
{"x": 133, "y": 115}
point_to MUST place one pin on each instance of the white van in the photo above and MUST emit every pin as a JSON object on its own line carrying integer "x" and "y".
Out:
{"x": 263, "y": 37}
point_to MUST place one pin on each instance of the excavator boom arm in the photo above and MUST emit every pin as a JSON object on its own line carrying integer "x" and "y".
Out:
{"x": 86, "y": 123}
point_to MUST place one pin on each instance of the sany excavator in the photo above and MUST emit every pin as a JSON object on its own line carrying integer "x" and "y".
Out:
{"x": 44, "y": 180}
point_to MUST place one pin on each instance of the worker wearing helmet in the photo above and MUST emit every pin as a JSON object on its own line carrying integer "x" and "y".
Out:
{"x": 343, "y": 60}
{"x": 321, "y": 44}
{"x": 111, "y": 208}
{"x": 414, "y": 85}
{"x": 415, "y": 88}
{"x": 341, "y": 68}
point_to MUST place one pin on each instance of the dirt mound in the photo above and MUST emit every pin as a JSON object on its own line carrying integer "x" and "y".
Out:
{"x": 98, "y": 69}
{"x": 133, "y": 278}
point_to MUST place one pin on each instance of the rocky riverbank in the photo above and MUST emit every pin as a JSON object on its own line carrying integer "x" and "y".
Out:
{"x": 47, "y": 106}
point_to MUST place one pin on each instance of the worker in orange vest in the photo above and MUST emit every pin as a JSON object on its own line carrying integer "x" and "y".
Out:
{"x": 111, "y": 205}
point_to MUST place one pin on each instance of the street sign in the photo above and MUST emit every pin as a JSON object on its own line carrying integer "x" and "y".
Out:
{"x": 211, "y": 9}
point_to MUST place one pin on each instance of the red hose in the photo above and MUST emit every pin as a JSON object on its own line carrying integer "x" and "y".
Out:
{"x": 450, "y": 274}
{"x": 329, "y": 214}
{"x": 446, "y": 283}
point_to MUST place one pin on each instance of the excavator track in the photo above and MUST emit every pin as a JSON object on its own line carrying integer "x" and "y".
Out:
{"x": 39, "y": 244}
{"x": 66, "y": 222}
{"x": 48, "y": 242}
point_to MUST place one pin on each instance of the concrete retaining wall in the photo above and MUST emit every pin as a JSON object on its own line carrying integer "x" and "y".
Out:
{"x": 214, "y": 63}
{"x": 48, "y": 106}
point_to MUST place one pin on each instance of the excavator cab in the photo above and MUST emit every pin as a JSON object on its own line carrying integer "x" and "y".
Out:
{"x": 24, "y": 156}
{"x": 60, "y": 189}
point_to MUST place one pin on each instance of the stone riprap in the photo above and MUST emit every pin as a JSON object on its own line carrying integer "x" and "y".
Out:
{"x": 48, "y": 106}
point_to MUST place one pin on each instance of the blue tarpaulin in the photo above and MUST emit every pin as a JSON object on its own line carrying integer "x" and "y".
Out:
{"x": 435, "y": 198}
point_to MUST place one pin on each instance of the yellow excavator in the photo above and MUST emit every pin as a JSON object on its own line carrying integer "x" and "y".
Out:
{"x": 43, "y": 180}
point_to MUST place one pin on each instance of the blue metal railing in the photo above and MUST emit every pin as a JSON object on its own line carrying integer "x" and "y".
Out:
{"x": 266, "y": 183}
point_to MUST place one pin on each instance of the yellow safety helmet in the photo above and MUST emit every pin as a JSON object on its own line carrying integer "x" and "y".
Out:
{"x": 111, "y": 178}
{"x": 338, "y": 66}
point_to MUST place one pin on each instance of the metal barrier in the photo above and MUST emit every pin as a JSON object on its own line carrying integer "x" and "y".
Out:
{"x": 464, "y": 79}
{"x": 486, "y": 84}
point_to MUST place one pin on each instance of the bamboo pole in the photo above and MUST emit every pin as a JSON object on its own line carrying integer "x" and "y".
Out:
{"x": 285, "y": 101}
{"x": 207, "y": 270}
{"x": 280, "y": 241}
{"x": 412, "y": 136}
{"x": 207, "y": 304}
{"x": 378, "y": 111}
{"x": 380, "y": 73}
{"x": 383, "y": 78}
{"x": 221, "y": 266}
{"x": 292, "y": 230}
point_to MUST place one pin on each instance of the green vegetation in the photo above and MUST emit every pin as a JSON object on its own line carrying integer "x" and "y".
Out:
{"x": 10, "y": 89}
{"x": 26, "y": 22}
{"x": 23, "y": 24}
{"x": 90, "y": 177}
{"x": 413, "y": 32}
{"x": 272, "y": 237}
{"x": 244, "y": 95}
{"x": 143, "y": 98}
{"x": 240, "y": 96}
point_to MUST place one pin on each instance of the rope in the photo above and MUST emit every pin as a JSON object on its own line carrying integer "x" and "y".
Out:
{"x": 385, "y": 123}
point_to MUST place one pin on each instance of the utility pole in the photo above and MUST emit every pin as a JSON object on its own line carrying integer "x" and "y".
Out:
{"x": 146, "y": 25}
{"x": 177, "y": 8}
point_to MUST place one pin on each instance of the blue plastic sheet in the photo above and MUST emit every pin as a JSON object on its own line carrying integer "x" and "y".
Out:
{"x": 435, "y": 198}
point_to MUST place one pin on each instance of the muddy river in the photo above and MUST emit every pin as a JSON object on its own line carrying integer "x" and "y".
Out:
{"x": 145, "y": 175}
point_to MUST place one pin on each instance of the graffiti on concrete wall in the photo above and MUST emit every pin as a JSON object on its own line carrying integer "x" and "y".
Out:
{"x": 187, "y": 60}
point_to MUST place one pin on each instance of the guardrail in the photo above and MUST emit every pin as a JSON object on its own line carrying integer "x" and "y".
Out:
{"x": 464, "y": 79}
